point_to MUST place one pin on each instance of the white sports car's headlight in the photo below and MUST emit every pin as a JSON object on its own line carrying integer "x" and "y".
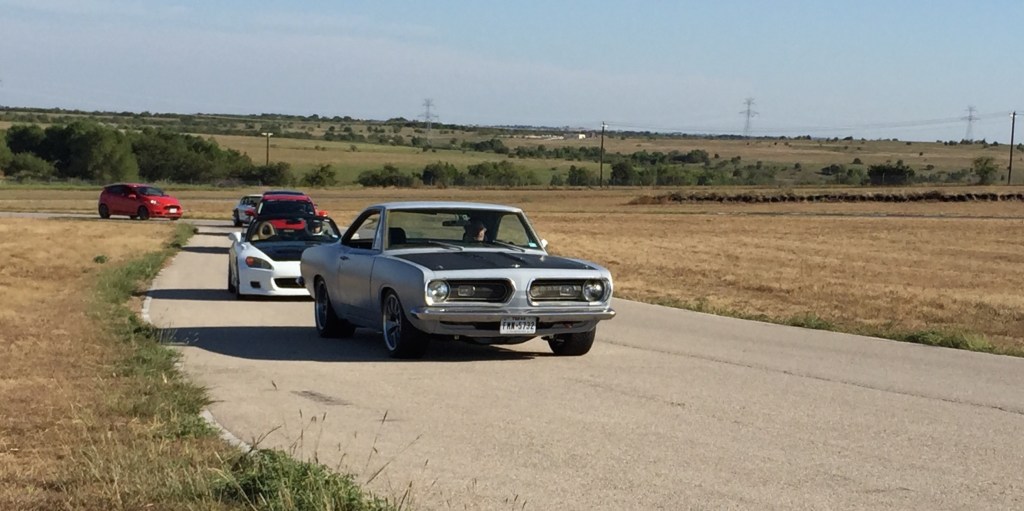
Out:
{"x": 437, "y": 290}
{"x": 593, "y": 290}
{"x": 256, "y": 262}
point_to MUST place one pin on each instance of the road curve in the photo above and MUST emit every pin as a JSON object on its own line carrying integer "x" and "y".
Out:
{"x": 671, "y": 410}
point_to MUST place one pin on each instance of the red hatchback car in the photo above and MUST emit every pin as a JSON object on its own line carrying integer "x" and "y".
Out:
{"x": 138, "y": 201}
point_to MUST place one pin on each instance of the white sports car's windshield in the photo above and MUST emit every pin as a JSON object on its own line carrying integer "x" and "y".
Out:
{"x": 310, "y": 229}
{"x": 459, "y": 227}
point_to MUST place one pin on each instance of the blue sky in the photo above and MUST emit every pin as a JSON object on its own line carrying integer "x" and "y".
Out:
{"x": 873, "y": 69}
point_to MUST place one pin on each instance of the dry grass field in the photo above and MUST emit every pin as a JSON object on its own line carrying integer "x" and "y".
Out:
{"x": 810, "y": 154}
{"x": 879, "y": 268}
{"x": 69, "y": 438}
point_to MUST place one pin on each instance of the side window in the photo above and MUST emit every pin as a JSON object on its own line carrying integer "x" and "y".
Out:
{"x": 363, "y": 231}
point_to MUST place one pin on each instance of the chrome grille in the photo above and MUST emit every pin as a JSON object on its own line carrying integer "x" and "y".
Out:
{"x": 557, "y": 290}
{"x": 491, "y": 291}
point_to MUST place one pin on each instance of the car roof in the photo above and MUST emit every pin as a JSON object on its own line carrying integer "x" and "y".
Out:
{"x": 287, "y": 197}
{"x": 283, "y": 192}
{"x": 284, "y": 216}
{"x": 252, "y": 196}
{"x": 399, "y": 205}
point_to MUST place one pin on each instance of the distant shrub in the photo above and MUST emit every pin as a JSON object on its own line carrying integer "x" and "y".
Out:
{"x": 387, "y": 176}
{"x": 890, "y": 174}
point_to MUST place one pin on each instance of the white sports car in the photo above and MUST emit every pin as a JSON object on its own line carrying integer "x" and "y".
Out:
{"x": 264, "y": 260}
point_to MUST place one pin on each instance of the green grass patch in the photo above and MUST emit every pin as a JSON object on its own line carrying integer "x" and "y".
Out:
{"x": 272, "y": 480}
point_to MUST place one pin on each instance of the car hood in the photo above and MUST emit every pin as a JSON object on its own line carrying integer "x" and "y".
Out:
{"x": 484, "y": 260}
{"x": 283, "y": 250}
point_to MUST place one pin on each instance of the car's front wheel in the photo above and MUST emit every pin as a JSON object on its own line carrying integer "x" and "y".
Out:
{"x": 401, "y": 337}
{"x": 104, "y": 211}
{"x": 235, "y": 219}
{"x": 231, "y": 281}
{"x": 572, "y": 345}
{"x": 142, "y": 213}
{"x": 328, "y": 324}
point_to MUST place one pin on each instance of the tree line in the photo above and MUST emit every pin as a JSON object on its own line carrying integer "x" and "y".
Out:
{"x": 89, "y": 151}
{"x": 94, "y": 152}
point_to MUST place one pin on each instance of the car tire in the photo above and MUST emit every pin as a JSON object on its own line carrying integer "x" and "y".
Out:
{"x": 401, "y": 338}
{"x": 104, "y": 211}
{"x": 328, "y": 324}
{"x": 142, "y": 213}
{"x": 572, "y": 345}
{"x": 238, "y": 288}
{"x": 234, "y": 218}
{"x": 231, "y": 282}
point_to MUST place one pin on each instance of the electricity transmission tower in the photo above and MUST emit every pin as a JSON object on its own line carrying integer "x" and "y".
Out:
{"x": 428, "y": 116}
{"x": 749, "y": 112}
{"x": 969, "y": 136}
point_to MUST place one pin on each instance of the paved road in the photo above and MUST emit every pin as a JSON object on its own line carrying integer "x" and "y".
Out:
{"x": 671, "y": 410}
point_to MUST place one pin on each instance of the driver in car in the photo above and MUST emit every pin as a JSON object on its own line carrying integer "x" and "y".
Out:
{"x": 475, "y": 230}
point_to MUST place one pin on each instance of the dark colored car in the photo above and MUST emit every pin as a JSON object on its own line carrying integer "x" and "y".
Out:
{"x": 138, "y": 201}
{"x": 287, "y": 204}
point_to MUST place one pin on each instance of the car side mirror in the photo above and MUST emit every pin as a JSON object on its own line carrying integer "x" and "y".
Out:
{"x": 235, "y": 237}
{"x": 544, "y": 244}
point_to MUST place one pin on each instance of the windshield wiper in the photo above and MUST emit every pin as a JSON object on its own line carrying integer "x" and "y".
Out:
{"x": 506, "y": 245}
{"x": 431, "y": 242}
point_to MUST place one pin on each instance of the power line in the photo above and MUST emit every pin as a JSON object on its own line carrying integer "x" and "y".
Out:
{"x": 806, "y": 129}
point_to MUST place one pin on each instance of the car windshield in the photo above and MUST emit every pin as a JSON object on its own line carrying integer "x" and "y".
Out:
{"x": 286, "y": 207}
{"x": 301, "y": 229}
{"x": 151, "y": 191}
{"x": 460, "y": 227}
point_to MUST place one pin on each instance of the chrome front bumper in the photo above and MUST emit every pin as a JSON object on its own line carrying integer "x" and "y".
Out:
{"x": 485, "y": 323}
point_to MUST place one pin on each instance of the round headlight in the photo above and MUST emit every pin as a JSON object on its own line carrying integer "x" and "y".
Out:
{"x": 593, "y": 290}
{"x": 437, "y": 290}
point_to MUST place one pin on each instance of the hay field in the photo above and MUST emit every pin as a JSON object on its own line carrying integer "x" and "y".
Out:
{"x": 56, "y": 370}
{"x": 948, "y": 266}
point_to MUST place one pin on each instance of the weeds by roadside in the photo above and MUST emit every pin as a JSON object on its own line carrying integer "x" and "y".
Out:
{"x": 143, "y": 444}
{"x": 932, "y": 337}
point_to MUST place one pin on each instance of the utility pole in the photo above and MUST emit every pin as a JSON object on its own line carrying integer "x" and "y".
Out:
{"x": 428, "y": 116}
{"x": 749, "y": 112}
{"x": 969, "y": 136}
{"x": 1013, "y": 124}
{"x": 600, "y": 181}
{"x": 268, "y": 134}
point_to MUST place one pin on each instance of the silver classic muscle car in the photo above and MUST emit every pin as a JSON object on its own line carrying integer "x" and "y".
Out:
{"x": 418, "y": 271}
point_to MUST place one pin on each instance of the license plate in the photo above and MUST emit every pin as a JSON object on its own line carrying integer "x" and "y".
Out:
{"x": 172, "y": 210}
{"x": 518, "y": 325}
